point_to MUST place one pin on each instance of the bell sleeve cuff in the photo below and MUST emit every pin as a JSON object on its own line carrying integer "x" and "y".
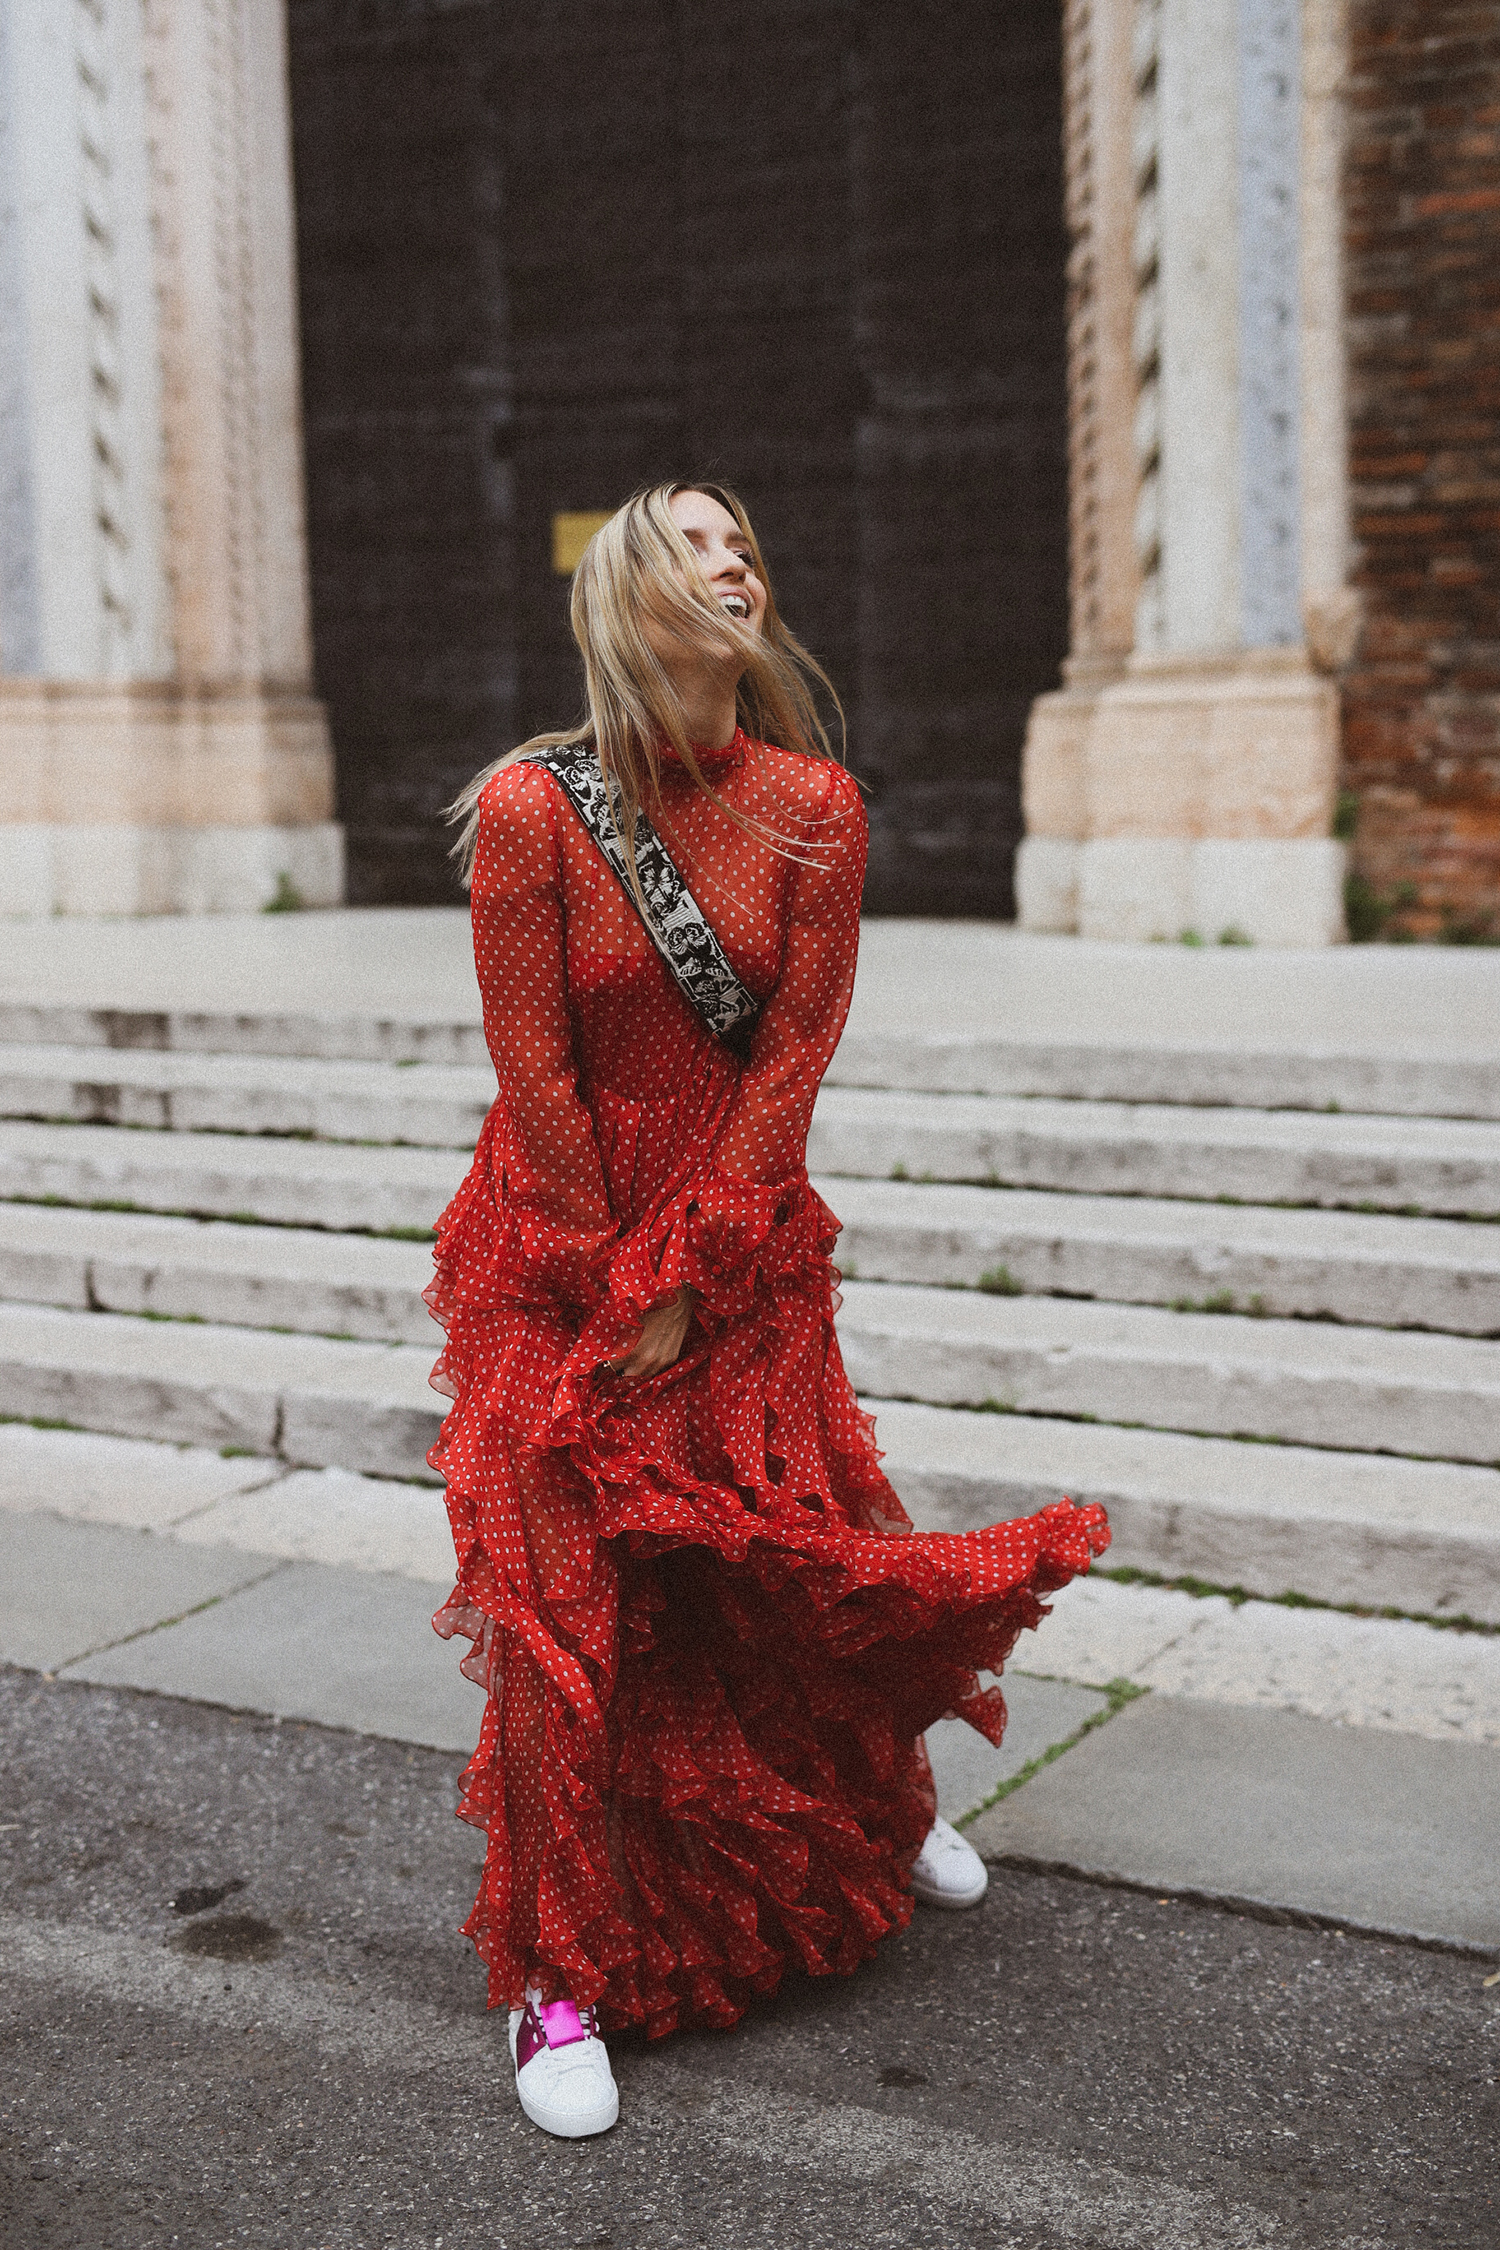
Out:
{"x": 722, "y": 1238}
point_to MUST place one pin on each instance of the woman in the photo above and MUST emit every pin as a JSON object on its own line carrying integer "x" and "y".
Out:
{"x": 711, "y": 1641}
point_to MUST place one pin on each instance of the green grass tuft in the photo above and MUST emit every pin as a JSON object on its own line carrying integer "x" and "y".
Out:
{"x": 286, "y": 898}
{"x": 1119, "y": 1692}
{"x": 1205, "y": 1588}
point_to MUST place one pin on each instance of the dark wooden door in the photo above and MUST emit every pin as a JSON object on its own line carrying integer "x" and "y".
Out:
{"x": 558, "y": 251}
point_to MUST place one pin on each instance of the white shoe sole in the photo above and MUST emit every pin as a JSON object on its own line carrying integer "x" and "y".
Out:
{"x": 953, "y": 1901}
{"x": 572, "y": 2124}
{"x": 955, "y": 1857}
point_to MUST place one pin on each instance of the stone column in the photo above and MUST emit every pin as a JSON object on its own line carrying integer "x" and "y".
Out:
{"x": 160, "y": 746}
{"x": 1101, "y": 69}
{"x": 1185, "y": 776}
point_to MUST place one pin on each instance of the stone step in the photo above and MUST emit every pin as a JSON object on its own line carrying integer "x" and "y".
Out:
{"x": 195, "y": 1495}
{"x": 1421, "y": 1536}
{"x": 1298, "y": 1075}
{"x": 967, "y": 1007}
{"x": 427, "y": 1105}
{"x": 301, "y": 1279}
{"x": 226, "y": 1176}
{"x": 338, "y": 1035}
{"x": 1357, "y": 1670}
{"x": 1405, "y": 1165}
{"x": 1302, "y": 1382}
{"x": 1104, "y": 1148}
{"x": 325, "y": 1402}
{"x": 1351, "y": 1266}
{"x": 304, "y": 1399}
{"x": 1433, "y": 1273}
{"x": 1254, "y": 1073}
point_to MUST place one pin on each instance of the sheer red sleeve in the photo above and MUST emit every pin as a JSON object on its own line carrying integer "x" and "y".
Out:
{"x": 553, "y": 1185}
{"x": 750, "y": 1212}
{"x": 766, "y": 1139}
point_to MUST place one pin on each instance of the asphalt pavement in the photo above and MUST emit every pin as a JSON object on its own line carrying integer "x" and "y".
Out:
{"x": 296, "y": 2054}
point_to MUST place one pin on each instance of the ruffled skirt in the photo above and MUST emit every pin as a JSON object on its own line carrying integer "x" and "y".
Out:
{"x": 711, "y": 1641}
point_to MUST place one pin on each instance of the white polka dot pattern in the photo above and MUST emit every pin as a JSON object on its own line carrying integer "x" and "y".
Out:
{"x": 711, "y": 1639}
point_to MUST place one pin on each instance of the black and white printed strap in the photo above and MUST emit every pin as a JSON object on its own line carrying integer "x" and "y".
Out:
{"x": 673, "y": 918}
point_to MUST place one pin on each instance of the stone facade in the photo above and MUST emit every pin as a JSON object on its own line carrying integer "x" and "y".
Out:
{"x": 1227, "y": 437}
{"x": 160, "y": 745}
{"x": 1184, "y": 778}
{"x": 1422, "y": 698}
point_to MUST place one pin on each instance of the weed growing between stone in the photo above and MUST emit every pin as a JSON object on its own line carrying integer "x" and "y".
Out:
{"x": 1119, "y": 1692}
{"x": 1203, "y": 1588}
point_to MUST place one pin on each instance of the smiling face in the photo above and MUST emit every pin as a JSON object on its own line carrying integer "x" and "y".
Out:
{"x": 725, "y": 553}
{"x": 675, "y": 618}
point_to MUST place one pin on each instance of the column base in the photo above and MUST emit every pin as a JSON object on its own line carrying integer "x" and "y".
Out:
{"x": 146, "y": 797}
{"x": 151, "y": 754}
{"x": 1047, "y": 884}
{"x": 1283, "y": 892}
{"x": 1186, "y": 794}
{"x": 130, "y": 868}
{"x": 1054, "y": 798}
{"x": 1243, "y": 746}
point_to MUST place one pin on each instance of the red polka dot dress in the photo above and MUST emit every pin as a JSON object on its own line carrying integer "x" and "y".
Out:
{"x": 711, "y": 1640}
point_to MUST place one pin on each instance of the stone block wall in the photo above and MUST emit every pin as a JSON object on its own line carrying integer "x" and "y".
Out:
{"x": 1422, "y": 697}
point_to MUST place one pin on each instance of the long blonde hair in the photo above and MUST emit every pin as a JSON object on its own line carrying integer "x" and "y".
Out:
{"x": 639, "y": 565}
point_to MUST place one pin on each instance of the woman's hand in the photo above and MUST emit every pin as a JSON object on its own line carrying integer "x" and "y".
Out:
{"x": 659, "y": 1344}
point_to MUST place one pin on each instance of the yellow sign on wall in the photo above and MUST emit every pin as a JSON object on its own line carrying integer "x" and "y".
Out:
{"x": 571, "y": 533}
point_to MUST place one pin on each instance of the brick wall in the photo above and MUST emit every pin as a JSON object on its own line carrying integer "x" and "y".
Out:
{"x": 1422, "y": 700}
{"x": 812, "y": 246}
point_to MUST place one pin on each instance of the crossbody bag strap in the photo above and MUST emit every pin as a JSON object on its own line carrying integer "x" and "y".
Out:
{"x": 674, "y": 920}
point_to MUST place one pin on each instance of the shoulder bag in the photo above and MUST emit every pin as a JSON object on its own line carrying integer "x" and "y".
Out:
{"x": 673, "y": 918}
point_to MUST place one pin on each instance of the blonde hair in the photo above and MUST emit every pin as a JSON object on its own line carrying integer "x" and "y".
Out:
{"x": 640, "y": 566}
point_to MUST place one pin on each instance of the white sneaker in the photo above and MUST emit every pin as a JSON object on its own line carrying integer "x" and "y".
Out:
{"x": 563, "y": 2076}
{"x": 947, "y": 1871}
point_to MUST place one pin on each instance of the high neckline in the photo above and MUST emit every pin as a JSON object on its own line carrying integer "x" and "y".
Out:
{"x": 727, "y": 754}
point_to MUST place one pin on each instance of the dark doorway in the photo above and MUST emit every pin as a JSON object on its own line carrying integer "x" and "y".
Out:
{"x": 549, "y": 253}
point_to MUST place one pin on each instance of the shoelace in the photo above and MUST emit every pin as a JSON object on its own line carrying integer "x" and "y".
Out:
{"x": 557, "y": 2023}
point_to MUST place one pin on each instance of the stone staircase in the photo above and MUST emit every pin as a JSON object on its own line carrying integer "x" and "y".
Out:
{"x": 1266, "y": 1336}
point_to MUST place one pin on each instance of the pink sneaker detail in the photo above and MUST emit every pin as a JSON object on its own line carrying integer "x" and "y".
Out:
{"x": 563, "y": 2076}
{"x": 556, "y": 2023}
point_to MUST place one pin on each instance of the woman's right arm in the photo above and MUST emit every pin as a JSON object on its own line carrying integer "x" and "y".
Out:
{"x": 558, "y": 1194}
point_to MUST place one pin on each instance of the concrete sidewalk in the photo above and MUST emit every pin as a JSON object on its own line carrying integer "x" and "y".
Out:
{"x": 1335, "y": 1767}
{"x": 1347, "y": 1826}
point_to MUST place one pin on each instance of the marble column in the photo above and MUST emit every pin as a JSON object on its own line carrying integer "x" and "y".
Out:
{"x": 160, "y": 746}
{"x": 1184, "y": 777}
